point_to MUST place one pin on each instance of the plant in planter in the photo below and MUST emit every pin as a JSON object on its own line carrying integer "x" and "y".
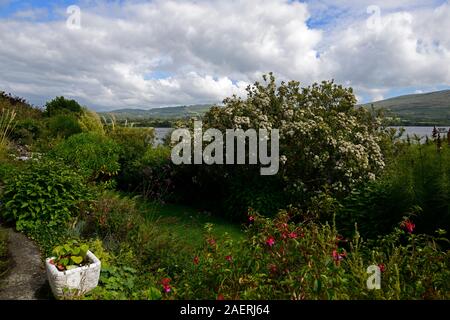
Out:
{"x": 73, "y": 270}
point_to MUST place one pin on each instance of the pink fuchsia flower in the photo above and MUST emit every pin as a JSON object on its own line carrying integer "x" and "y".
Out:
{"x": 229, "y": 258}
{"x": 408, "y": 225}
{"x": 212, "y": 242}
{"x": 270, "y": 241}
{"x": 293, "y": 235}
{"x": 251, "y": 219}
{"x": 382, "y": 267}
{"x": 338, "y": 256}
{"x": 166, "y": 285}
{"x": 196, "y": 260}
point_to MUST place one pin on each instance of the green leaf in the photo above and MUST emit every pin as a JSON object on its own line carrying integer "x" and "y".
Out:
{"x": 77, "y": 259}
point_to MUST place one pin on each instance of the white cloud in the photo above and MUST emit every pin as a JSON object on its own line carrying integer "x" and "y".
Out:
{"x": 208, "y": 50}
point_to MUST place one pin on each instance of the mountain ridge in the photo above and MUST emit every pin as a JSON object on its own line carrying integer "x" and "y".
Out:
{"x": 427, "y": 109}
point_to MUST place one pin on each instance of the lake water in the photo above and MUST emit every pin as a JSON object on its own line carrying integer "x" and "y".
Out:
{"x": 160, "y": 134}
{"x": 423, "y": 131}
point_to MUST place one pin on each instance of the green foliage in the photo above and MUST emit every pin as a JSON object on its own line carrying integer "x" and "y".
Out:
{"x": 112, "y": 218}
{"x": 156, "y": 171}
{"x": 327, "y": 145}
{"x": 7, "y": 123}
{"x": 133, "y": 142}
{"x": 124, "y": 283}
{"x": 27, "y": 131}
{"x": 23, "y": 109}
{"x": 90, "y": 121}
{"x": 4, "y": 256}
{"x": 95, "y": 155}
{"x": 281, "y": 259}
{"x": 70, "y": 255}
{"x": 61, "y": 105}
{"x": 63, "y": 125}
{"x": 46, "y": 192}
{"x": 7, "y": 169}
{"x": 416, "y": 183}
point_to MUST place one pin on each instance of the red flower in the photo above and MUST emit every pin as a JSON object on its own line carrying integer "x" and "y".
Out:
{"x": 408, "y": 225}
{"x": 196, "y": 260}
{"x": 338, "y": 256}
{"x": 229, "y": 258}
{"x": 293, "y": 235}
{"x": 270, "y": 241}
{"x": 382, "y": 267}
{"x": 166, "y": 285}
{"x": 220, "y": 297}
{"x": 251, "y": 218}
{"x": 212, "y": 242}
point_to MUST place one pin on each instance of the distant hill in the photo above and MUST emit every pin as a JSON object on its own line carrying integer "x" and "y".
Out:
{"x": 160, "y": 113}
{"x": 425, "y": 109}
{"x": 417, "y": 109}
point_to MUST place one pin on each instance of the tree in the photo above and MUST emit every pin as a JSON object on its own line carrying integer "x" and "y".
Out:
{"x": 326, "y": 142}
{"x": 61, "y": 105}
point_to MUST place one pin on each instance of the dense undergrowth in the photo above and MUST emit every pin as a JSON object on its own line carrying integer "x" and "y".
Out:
{"x": 349, "y": 195}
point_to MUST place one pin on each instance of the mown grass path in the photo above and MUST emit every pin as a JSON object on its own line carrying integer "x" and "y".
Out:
{"x": 26, "y": 278}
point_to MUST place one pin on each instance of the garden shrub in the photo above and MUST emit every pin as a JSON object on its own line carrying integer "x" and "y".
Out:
{"x": 416, "y": 183}
{"x": 327, "y": 144}
{"x": 95, "y": 155}
{"x": 112, "y": 218}
{"x": 324, "y": 138}
{"x": 159, "y": 248}
{"x": 27, "y": 131}
{"x": 133, "y": 142}
{"x": 63, "y": 125}
{"x": 156, "y": 172}
{"x": 7, "y": 169}
{"x": 43, "y": 193}
{"x": 281, "y": 259}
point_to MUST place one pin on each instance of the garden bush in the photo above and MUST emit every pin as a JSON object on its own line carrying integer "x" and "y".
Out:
{"x": 156, "y": 171}
{"x": 416, "y": 183}
{"x": 134, "y": 142}
{"x": 27, "y": 131}
{"x": 111, "y": 218}
{"x": 281, "y": 259}
{"x": 327, "y": 144}
{"x": 43, "y": 193}
{"x": 95, "y": 155}
{"x": 63, "y": 126}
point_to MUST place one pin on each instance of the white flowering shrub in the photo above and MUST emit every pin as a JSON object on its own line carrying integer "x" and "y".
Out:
{"x": 326, "y": 142}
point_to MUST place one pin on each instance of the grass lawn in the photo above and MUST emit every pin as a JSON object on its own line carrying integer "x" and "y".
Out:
{"x": 186, "y": 223}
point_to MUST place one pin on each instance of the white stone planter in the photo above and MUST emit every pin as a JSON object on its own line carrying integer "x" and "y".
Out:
{"x": 74, "y": 282}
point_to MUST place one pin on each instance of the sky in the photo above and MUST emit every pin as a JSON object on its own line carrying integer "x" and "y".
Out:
{"x": 146, "y": 54}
